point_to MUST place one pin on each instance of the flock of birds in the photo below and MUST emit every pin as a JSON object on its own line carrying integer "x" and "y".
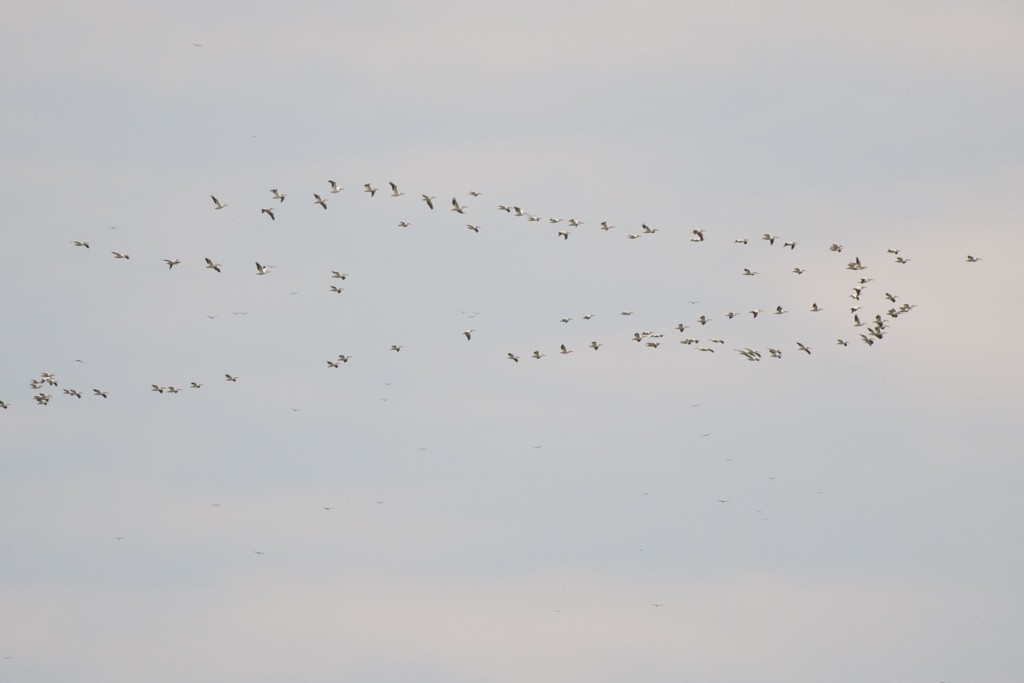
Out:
{"x": 871, "y": 327}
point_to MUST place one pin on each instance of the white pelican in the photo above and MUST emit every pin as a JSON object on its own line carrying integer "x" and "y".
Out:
{"x": 371, "y": 190}
{"x": 429, "y": 200}
{"x": 748, "y": 271}
{"x": 317, "y": 199}
{"x": 404, "y": 224}
{"x": 791, "y": 245}
{"x": 118, "y": 254}
{"x": 779, "y": 310}
{"x": 214, "y": 266}
{"x": 474, "y": 228}
{"x": 230, "y": 378}
{"x": 698, "y": 235}
{"x": 171, "y": 262}
{"x": 336, "y": 289}
{"x": 99, "y": 392}
{"x": 703, "y": 320}
{"x": 799, "y": 271}
{"x": 333, "y": 364}
{"x": 842, "y": 342}
{"x": 538, "y": 355}
{"x": 901, "y": 260}
{"x": 395, "y": 347}
{"x": 740, "y": 241}
{"x": 343, "y": 358}
{"x": 158, "y": 389}
{"x": 80, "y": 243}
{"x": 513, "y": 357}
{"x": 803, "y": 347}
{"x": 335, "y": 187}
{"x": 338, "y": 275}
{"x": 269, "y": 212}
{"x": 277, "y": 195}
{"x": 970, "y": 259}
{"x": 564, "y": 234}
{"x": 835, "y": 247}
{"x": 769, "y": 238}
{"x": 456, "y": 208}
{"x": 606, "y": 226}
{"x": 394, "y": 190}
{"x": 262, "y": 270}
{"x": 754, "y": 311}
{"x": 564, "y": 350}
{"x": 815, "y": 309}
{"x": 216, "y": 203}
{"x": 469, "y": 334}
{"x": 73, "y": 392}
{"x": 594, "y": 345}
{"x": 196, "y": 385}
{"x": 474, "y": 193}
{"x": 3, "y": 405}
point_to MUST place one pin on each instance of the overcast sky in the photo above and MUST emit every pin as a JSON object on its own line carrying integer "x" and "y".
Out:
{"x": 645, "y": 511}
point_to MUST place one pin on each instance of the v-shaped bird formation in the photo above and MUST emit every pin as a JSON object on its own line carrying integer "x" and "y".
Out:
{"x": 871, "y": 317}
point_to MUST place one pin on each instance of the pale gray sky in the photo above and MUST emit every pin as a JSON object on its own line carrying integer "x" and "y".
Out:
{"x": 630, "y": 513}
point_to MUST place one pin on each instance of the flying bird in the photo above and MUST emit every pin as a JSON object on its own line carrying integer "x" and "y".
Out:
{"x": 335, "y": 187}
{"x": 429, "y": 200}
{"x": 216, "y": 203}
{"x": 262, "y": 270}
{"x": 317, "y": 199}
{"x": 277, "y": 195}
{"x": 371, "y": 190}
{"x": 171, "y": 262}
{"x": 214, "y": 266}
{"x": 394, "y": 190}
{"x": 118, "y": 254}
{"x": 269, "y": 212}
{"x": 456, "y": 208}
{"x": 80, "y": 243}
